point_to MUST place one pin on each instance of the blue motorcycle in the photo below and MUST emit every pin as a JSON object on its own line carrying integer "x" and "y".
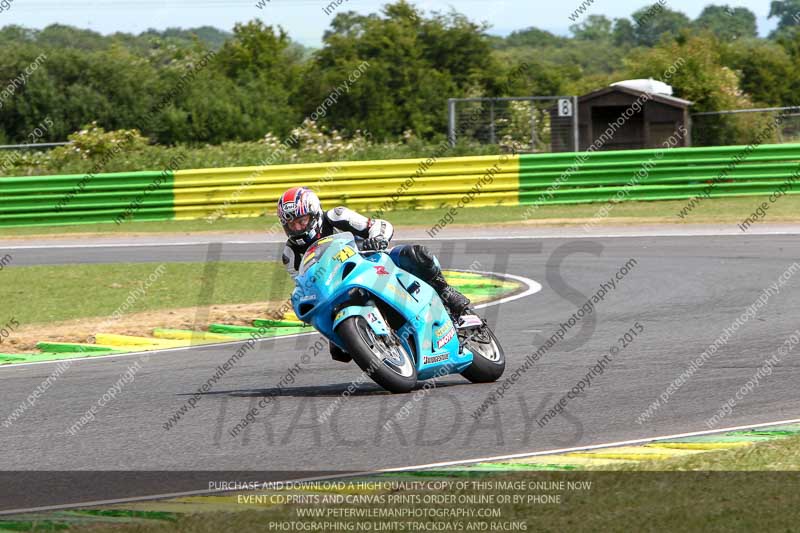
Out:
{"x": 392, "y": 324}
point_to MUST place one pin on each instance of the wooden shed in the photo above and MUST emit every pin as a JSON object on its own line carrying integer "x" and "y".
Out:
{"x": 659, "y": 117}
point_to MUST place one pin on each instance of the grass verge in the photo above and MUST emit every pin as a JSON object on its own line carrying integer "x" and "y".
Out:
{"x": 715, "y": 210}
{"x": 46, "y": 294}
{"x": 746, "y": 489}
{"x": 779, "y": 455}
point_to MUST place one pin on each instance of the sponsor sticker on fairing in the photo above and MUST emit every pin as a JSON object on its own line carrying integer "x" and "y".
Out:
{"x": 345, "y": 254}
{"x": 430, "y": 359}
{"x": 447, "y": 337}
{"x": 442, "y": 330}
{"x": 403, "y": 295}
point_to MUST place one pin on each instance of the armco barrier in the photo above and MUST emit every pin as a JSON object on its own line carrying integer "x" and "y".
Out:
{"x": 369, "y": 186}
{"x": 679, "y": 173}
{"x": 365, "y": 185}
{"x": 374, "y": 186}
{"x": 83, "y": 198}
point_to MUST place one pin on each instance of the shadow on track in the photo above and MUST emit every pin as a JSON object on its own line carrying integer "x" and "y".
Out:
{"x": 334, "y": 390}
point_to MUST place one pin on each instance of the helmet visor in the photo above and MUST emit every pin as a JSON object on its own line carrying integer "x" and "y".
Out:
{"x": 298, "y": 225}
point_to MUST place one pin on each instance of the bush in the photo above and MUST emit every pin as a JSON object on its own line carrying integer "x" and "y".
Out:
{"x": 93, "y": 142}
{"x": 95, "y": 148}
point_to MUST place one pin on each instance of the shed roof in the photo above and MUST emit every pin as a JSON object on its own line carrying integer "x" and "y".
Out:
{"x": 662, "y": 98}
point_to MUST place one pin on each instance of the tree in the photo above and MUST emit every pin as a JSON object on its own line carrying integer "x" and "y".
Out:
{"x": 768, "y": 73}
{"x": 699, "y": 74}
{"x": 656, "y": 21}
{"x": 728, "y": 23}
{"x": 212, "y": 37}
{"x": 788, "y": 14}
{"x": 624, "y": 34}
{"x": 386, "y": 72}
{"x": 61, "y": 36}
{"x": 256, "y": 49}
{"x": 526, "y": 75}
{"x": 253, "y": 77}
{"x": 594, "y": 28}
{"x": 534, "y": 37}
{"x": 453, "y": 44}
{"x": 790, "y": 42}
{"x": 410, "y": 65}
{"x": 694, "y": 67}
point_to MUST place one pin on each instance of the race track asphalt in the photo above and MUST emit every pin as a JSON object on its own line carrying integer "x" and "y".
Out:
{"x": 683, "y": 290}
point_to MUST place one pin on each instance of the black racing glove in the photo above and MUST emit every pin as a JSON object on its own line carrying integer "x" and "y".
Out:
{"x": 375, "y": 243}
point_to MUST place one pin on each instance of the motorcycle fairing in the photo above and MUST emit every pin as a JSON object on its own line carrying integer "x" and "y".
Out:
{"x": 333, "y": 267}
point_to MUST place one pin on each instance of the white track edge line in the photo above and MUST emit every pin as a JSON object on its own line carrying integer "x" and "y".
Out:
{"x": 700, "y": 233}
{"x": 593, "y": 446}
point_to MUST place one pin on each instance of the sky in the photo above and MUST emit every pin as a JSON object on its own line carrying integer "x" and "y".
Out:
{"x": 306, "y": 20}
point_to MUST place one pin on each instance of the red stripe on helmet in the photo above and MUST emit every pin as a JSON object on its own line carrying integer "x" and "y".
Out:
{"x": 290, "y": 195}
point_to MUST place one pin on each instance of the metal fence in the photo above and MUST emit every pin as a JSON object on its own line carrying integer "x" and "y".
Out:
{"x": 771, "y": 125}
{"x": 33, "y": 146}
{"x": 529, "y": 124}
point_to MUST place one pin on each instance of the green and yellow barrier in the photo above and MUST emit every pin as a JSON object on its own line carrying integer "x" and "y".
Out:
{"x": 364, "y": 185}
{"x": 378, "y": 186}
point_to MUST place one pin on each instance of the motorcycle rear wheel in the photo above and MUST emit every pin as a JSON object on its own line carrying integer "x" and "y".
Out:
{"x": 382, "y": 358}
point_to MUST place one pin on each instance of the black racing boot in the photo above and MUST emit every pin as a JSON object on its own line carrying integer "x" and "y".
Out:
{"x": 455, "y": 302}
{"x": 337, "y": 354}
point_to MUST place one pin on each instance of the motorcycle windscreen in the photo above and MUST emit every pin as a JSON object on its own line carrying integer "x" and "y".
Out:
{"x": 317, "y": 250}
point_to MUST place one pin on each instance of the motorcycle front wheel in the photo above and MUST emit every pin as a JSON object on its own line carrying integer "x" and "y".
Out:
{"x": 489, "y": 360}
{"x": 382, "y": 358}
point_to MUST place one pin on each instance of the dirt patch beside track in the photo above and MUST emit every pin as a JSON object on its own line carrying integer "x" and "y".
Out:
{"x": 140, "y": 324}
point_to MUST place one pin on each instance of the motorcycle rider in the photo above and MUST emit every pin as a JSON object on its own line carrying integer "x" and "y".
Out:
{"x": 305, "y": 222}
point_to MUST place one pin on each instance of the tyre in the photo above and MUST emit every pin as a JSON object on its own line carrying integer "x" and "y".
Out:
{"x": 382, "y": 358}
{"x": 489, "y": 361}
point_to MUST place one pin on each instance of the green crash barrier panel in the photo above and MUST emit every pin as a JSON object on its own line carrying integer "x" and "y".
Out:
{"x": 378, "y": 186}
